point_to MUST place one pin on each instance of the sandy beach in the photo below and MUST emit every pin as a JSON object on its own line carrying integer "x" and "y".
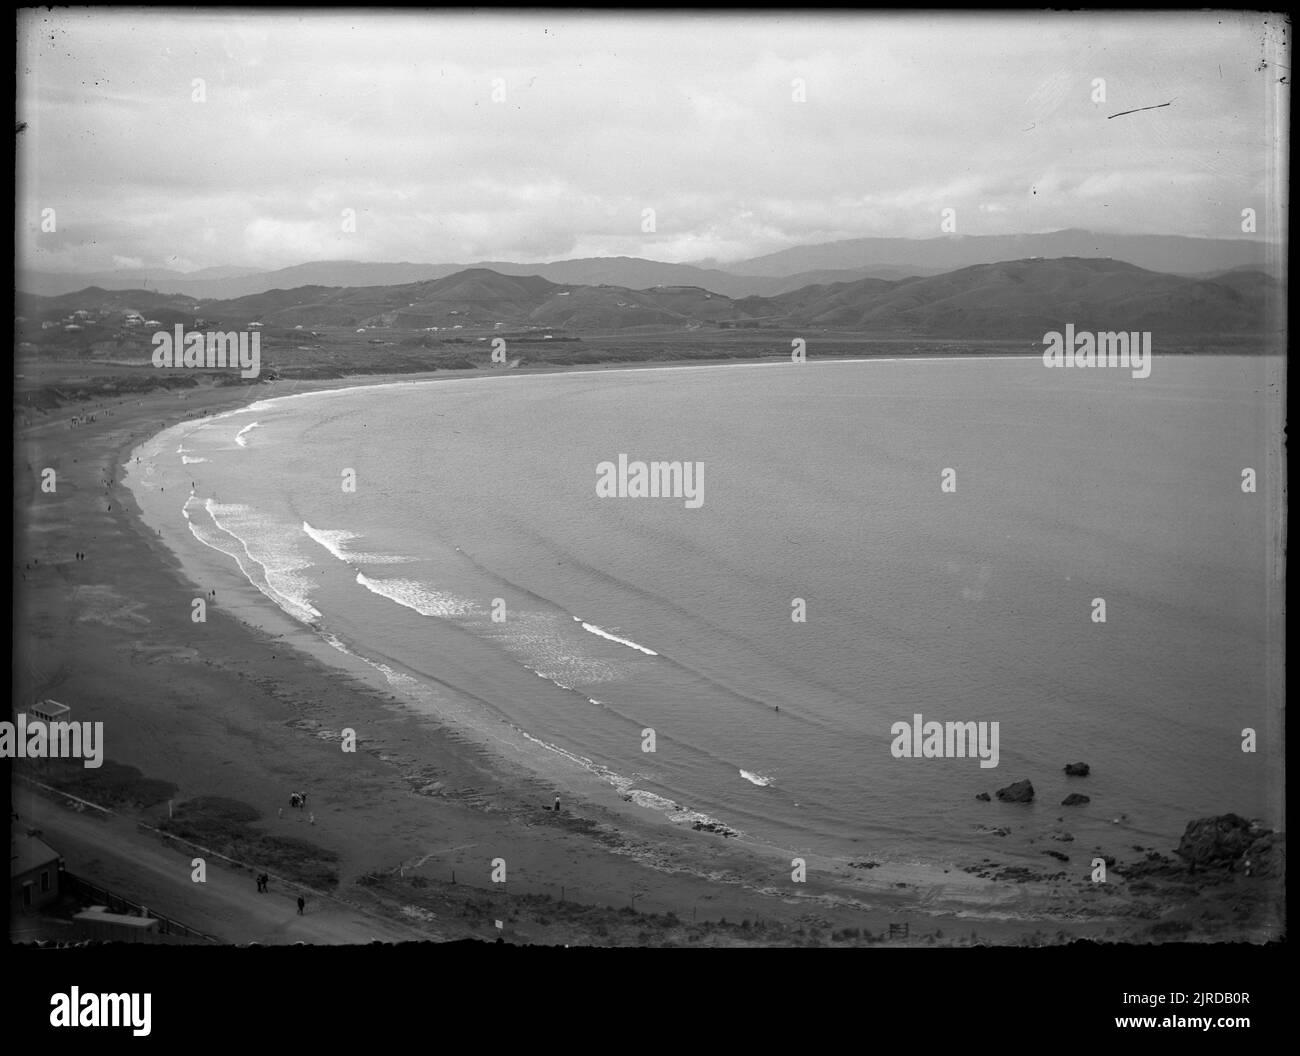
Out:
{"x": 248, "y": 707}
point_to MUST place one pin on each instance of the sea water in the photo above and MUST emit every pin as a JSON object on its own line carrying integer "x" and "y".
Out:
{"x": 877, "y": 540}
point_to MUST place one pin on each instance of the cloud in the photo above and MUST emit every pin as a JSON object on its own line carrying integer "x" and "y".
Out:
{"x": 305, "y": 115}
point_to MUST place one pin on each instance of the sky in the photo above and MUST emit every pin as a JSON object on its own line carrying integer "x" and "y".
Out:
{"x": 188, "y": 140}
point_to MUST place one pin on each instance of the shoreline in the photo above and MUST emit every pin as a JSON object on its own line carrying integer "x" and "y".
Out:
{"x": 594, "y": 787}
{"x": 671, "y": 865}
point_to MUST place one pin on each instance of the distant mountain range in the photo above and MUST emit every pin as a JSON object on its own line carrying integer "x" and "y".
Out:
{"x": 765, "y": 276}
{"x": 632, "y": 272}
{"x": 1173, "y": 254}
{"x": 1008, "y": 299}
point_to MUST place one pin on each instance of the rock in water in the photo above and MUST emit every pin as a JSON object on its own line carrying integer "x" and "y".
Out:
{"x": 983, "y": 797}
{"x": 1221, "y": 840}
{"x": 1074, "y": 799}
{"x": 1266, "y": 856}
{"x": 1020, "y": 792}
{"x": 1078, "y": 769}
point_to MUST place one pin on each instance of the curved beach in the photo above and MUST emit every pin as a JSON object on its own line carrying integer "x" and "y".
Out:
{"x": 251, "y": 704}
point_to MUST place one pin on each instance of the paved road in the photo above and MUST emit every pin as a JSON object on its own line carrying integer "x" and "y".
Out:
{"x": 113, "y": 853}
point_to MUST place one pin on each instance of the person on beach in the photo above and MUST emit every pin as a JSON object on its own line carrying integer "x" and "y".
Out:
{"x": 301, "y": 902}
{"x": 557, "y": 804}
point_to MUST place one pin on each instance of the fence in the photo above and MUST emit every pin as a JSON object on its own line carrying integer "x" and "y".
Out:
{"x": 116, "y": 903}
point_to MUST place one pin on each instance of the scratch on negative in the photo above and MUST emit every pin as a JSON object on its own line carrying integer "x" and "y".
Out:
{"x": 1140, "y": 109}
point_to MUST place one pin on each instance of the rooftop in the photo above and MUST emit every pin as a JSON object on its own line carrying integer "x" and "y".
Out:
{"x": 29, "y": 852}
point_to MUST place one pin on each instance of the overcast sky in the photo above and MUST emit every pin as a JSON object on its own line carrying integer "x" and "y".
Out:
{"x": 604, "y": 117}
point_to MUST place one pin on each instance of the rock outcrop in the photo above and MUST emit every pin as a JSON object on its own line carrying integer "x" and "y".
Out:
{"x": 1224, "y": 840}
{"x": 1020, "y": 792}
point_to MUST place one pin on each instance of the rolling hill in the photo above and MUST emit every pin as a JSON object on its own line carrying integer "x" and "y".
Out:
{"x": 1007, "y": 299}
{"x": 769, "y": 275}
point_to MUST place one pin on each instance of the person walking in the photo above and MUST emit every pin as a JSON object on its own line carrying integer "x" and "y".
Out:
{"x": 301, "y": 902}
{"x": 557, "y": 804}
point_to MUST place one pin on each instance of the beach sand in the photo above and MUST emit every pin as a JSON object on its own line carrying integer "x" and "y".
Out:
{"x": 249, "y": 707}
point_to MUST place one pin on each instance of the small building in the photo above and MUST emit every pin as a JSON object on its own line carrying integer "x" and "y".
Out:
{"x": 50, "y": 711}
{"x": 98, "y": 923}
{"x": 34, "y": 868}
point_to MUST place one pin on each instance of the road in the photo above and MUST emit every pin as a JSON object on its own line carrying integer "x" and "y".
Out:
{"x": 111, "y": 852}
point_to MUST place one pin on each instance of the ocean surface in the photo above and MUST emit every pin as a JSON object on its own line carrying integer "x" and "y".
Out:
{"x": 475, "y": 563}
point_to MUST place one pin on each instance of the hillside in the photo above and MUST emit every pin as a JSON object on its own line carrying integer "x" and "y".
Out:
{"x": 1009, "y": 299}
{"x": 769, "y": 275}
{"x": 1029, "y": 297}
